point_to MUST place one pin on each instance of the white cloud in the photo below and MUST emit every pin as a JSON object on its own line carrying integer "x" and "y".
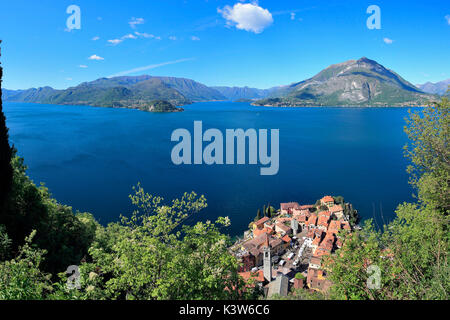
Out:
{"x": 292, "y": 15}
{"x": 135, "y": 21}
{"x": 69, "y": 79}
{"x": 194, "y": 38}
{"x": 145, "y": 35}
{"x": 247, "y": 16}
{"x": 152, "y": 66}
{"x": 83, "y": 66}
{"x": 388, "y": 41}
{"x": 173, "y": 38}
{"x": 129, "y": 36}
{"x": 447, "y": 18}
{"x": 115, "y": 42}
{"x": 96, "y": 57}
{"x": 96, "y": 38}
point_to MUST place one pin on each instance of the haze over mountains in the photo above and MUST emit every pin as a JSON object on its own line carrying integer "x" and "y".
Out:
{"x": 435, "y": 88}
{"x": 361, "y": 82}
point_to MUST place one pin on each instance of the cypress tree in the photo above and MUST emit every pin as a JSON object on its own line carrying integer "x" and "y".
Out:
{"x": 258, "y": 214}
{"x": 269, "y": 214}
{"x": 264, "y": 211}
{"x": 5, "y": 152}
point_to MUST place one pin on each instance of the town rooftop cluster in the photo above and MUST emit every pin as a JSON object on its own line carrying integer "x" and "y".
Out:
{"x": 287, "y": 249}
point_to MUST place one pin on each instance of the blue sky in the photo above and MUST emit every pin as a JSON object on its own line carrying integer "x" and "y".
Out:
{"x": 258, "y": 44}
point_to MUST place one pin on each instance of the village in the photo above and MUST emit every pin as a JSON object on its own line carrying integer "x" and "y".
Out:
{"x": 286, "y": 250}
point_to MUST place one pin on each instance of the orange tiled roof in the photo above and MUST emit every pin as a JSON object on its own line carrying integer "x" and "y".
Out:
{"x": 312, "y": 220}
{"x": 261, "y": 221}
{"x": 336, "y": 208}
{"x": 289, "y": 205}
{"x": 327, "y": 199}
{"x": 323, "y": 221}
{"x": 257, "y": 276}
{"x": 334, "y": 227}
{"x": 316, "y": 241}
{"x": 324, "y": 213}
{"x": 320, "y": 251}
{"x": 258, "y": 232}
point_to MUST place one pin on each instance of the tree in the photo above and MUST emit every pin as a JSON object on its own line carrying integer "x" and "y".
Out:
{"x": 264, "y": 211}
{"x": 65, "y": 236}
{"x": 5, "y": 244}
{"x": 152, "y": 255}
{"x": 258, "y": 215}
{"x": 5, "y": 153}
{"x": 429, "y": 153}
{"x": 339, "y": 200}
{"x": 21, "y": 278}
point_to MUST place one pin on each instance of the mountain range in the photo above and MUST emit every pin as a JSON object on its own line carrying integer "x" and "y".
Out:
{"x": 132, "y": 92}
{"x": 439, "y": 88}
{"x": 362, "y": 82}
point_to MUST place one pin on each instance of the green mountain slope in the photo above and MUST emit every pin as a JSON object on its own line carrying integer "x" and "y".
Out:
{"x": 130, "y": 92}
{"x": 362, "y": 82}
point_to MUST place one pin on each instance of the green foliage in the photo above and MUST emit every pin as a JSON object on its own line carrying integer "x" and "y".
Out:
{"x": 152, "y": 256}
{"x": 5, "y": 244}
{"x": 429, "y": 152}
{"x": 299, "y": 275}
{"x": 21, "y": 277}
{"x": 300, "y": 294}
{"x": 159, "y": 106}
{"x": 349, "y": 266}
{"x": 339, "y": 200}
{"x": 258, "y": 215}
{"x": 269, "y": 211}
{"x": 64, "y": 236}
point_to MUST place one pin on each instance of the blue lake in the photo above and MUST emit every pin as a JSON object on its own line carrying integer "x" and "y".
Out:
{"x": 90, "y": 157}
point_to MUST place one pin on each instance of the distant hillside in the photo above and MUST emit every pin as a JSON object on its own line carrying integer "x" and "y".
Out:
{"x": 130, "y": 92}
{"x": 8, "y": 93}
{"x": 362, "y": 82}
{"x": 439, "y": 88}
{"x": 239, "y": 93}
{"x": 30, "y": 95}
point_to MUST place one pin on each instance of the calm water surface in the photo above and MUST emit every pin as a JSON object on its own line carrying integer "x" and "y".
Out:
{"x": 91, "y": 157}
